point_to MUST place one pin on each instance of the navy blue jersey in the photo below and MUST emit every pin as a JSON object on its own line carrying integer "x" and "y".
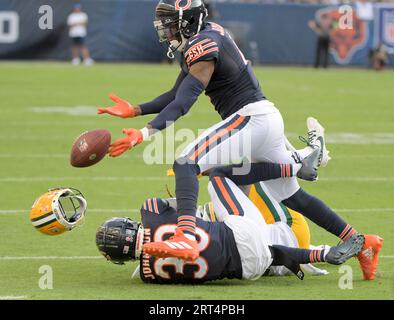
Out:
{"x": 219, "y": 257}
{"x": 233, "y": 83}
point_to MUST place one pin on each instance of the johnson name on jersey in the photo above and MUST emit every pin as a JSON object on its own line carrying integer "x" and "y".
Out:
{"x": 233, "y": 83}
{"x": 219, "y": 257}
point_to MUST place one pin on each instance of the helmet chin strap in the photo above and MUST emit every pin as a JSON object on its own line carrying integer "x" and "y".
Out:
{"x": 199, "y": 23}
{"x": 176, "y": 45}
{"x": 170, "y": 53}
{"x": 139, "y": 242}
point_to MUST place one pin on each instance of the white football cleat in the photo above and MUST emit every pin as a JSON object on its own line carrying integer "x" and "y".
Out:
{"x": 88, "y": 62}
{"x": 76, "y": 61}
{"x": 316, "y": 137}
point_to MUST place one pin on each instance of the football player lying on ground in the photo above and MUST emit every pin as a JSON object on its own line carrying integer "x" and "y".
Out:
{"x": 239, "y": 245}
{"x": 367, "y": 257}
{"x": 294, "y": 227}
{"x": 274, "y": 211}
{"x": 291, "y": 228}
{"x": 271, "y": 210}
{"x": 213, "y": 62}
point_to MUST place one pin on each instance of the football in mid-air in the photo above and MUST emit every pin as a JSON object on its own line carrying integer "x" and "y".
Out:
{"x": 90, "y": 147}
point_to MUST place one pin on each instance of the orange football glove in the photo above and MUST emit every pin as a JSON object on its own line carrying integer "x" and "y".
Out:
{"x": 121, "y": 109}
{"x": 133, "y": 137}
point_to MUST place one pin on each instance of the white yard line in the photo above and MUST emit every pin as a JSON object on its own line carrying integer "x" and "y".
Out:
{"x": 357, "y": 179}
{"x": 362, "y": 156}
{"x": 366, "y": 210}
{"x": 378, "y": 138}
{"x": 44, "y": 179}
{"x": 66, "y": 155}
{"x": 68, "y": 110}
{"x": 20, "y": 258}
{"x": 110, "y": 210}
{"x": 36, "y": 138}
{"x": 114, "y": 210}
{"x": 12, "y": 297}
{"x": 33, "y": 156}
{"x": 28, "y": 124}
{"x": 8, "y": 258}
{"x": 13, "y": 211}
{"x": 25, "y": 211}
{"x": 338, "y": 138}
{"x": 163, "y": 178}
{"x": 51, "y": 156}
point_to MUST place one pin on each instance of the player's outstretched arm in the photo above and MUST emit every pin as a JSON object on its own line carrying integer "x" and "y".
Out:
{"x": 159, "y": 103}
{"x": 189, "y": 90}
{"x": 124, "y": 109}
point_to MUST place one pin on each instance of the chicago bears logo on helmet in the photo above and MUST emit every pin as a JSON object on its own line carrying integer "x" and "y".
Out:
{"x": 178, "y": 20}
{"x": 345, "y": 42}
{"x": 183, "y": 4}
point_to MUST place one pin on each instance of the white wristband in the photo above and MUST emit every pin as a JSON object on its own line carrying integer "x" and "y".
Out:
{"x": 145, "y": 133}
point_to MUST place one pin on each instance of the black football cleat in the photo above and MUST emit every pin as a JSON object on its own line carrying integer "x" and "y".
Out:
{"x": 308, "y": 170}
{"x": 346, "y": 250}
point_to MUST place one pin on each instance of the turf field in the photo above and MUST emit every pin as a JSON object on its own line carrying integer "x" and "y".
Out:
{"x": 44, "y": 106}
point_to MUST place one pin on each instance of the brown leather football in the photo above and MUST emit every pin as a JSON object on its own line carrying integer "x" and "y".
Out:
{"x": 90, "y": 147}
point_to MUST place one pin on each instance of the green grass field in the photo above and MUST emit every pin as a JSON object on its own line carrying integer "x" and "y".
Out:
{"x": 44, "y": 106}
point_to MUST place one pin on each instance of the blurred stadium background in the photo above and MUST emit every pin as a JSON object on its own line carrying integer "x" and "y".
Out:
{"x": 45, "y": 103}
{"x": 267, "y": 31}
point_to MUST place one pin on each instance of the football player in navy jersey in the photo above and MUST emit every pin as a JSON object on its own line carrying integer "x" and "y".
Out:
{"x": 239, "y": 245}
{"x": 251, "y": 127}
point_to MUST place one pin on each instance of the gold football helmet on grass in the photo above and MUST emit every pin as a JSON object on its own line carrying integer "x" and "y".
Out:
{"x": 58, "y": 210}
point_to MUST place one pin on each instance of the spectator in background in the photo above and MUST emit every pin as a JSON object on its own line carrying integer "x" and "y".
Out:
{"x": 77, "y": 22}
{"x": 322, "y": 28}
{"x": 378, "y": 57}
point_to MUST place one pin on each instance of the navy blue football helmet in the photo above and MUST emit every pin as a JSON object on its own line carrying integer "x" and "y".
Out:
{"x": 120, "y": 240}
{"x": 178, "y": 20}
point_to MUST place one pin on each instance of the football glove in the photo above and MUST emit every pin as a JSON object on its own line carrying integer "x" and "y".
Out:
{"x": 133, "y": 138}
{"x": 122, "y": 108}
